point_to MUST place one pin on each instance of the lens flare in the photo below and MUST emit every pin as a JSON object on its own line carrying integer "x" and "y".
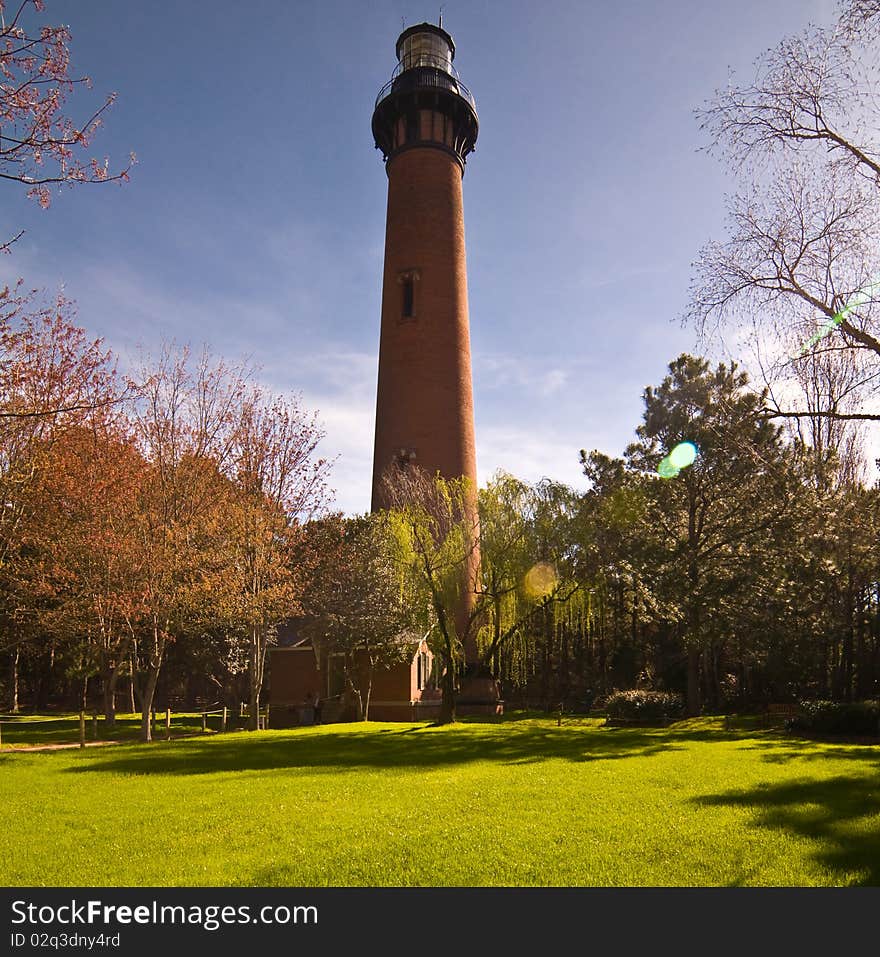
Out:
{"x": 865, "y": 294}
{"x": 666, "y": 469}
{"x": 540, "y": 580}
{"x": 683, "y": 455}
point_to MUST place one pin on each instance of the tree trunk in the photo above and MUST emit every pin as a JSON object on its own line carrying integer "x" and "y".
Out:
{"x": 823, "y": 674}
{"x": 156, "y": 651}
{"x": 137, "y": 700}
{"x": 861, "y": 651}
{"x": 694, "y": 705}
{"x": 694, "y": 622}
{"x": 255, "y": 676}
{"x": 447, "y": 701}
{"x": 147, "y": 706}
{"x": 369, "y": 693}
{"x": 847, "y": 662}
{"x": 352, "y": 672}
{"x": 711, "y": 666}
{"x": 109, "y": 694}
{"x": 111, "y": 682}
{"x": 13, "y": 680}
{"x": 44, "y": 681}
{"x": 114, "y": 684}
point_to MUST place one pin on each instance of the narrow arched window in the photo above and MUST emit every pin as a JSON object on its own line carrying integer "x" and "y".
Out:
{"x": 407, "y": 281}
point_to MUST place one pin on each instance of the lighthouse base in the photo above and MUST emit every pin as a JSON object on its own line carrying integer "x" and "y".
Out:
{"x": 478, "y": 696}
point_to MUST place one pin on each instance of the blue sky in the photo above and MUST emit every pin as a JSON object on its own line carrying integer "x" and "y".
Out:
{"x": 254, "y": 220}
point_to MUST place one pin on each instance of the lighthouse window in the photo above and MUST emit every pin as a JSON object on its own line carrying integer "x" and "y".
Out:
{"x": 408, "y": 310}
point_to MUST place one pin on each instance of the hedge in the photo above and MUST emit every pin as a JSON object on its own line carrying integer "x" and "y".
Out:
{"x": 644, "y": 706}
{"x": 838, "y": 717}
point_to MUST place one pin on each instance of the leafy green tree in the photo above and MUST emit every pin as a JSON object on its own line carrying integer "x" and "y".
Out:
{"x": 715, "y": 527}
{"x": 631, "y": 616}
{"x": 523, "y": 555}
{"x": 436, "y": 528}
{"x": 358, "y": 604}
{"x": 526, "y": 573}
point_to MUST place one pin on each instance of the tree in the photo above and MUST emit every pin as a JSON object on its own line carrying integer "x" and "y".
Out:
{"x": 53, "y": 380}
{"x": 37, "y": 140}
{"x": 82, "y": 562}
{"x": 184, "y": 421}
{"x": 629, "y": 619}
{"x": 526, "y": 563}
{"x": 278, "y": 485}
{"x": 804, "y": 228}
{"x": 436, "y": 527}
{"x": 717, "y": 525}
{"x": 358, "y": 604}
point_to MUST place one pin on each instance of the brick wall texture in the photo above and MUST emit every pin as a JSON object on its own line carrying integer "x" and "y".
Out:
{"x": 425, "y": 397}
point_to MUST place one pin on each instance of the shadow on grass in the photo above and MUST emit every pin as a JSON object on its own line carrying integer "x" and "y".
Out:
{"x": 359, "y": 747}
{"x": 512, "y": 740}
{"x": 783, "y": 749}
{"x": 40, "y": 731}
{"x": 831, "y": 812}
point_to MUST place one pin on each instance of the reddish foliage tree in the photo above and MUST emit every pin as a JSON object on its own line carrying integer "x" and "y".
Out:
{"x": 52, "y": 379}
{"x": 279, "y": 484}
{"x": 37, "y": 139}
{"x": 183, "y": 421}
{"x": 85, "y": 555}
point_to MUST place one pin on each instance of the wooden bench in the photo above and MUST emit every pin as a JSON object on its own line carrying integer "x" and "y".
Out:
{"x": 779, "y": 712}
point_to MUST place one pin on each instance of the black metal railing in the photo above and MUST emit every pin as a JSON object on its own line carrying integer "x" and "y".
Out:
{"x": 410, "y": 78}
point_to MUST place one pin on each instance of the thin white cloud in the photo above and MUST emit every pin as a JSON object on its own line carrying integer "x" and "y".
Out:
{"x": 131, "y": 309}
{"x": 534, "y": 376}
{"x": 529, "y": 453}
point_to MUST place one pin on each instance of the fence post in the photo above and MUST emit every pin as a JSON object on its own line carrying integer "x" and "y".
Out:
{"x": 266, "y": 719}
{"x": 241, "y": 709}
{"x": 204, "y": 721}
{"x": 1, "y": 734}
{"x": 82, "y": 729}
{"x": 168, "y": 723}
{"x": 223, "y": 725}
{"x": 94, "y": 725}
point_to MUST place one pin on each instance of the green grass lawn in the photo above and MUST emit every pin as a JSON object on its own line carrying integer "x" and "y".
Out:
{"x": 514, "y": 802}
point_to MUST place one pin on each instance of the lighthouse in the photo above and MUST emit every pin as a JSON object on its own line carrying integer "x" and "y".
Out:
{"x": 425, "y": 123}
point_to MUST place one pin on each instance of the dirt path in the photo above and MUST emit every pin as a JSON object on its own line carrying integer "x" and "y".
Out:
{"x": 59, "y": 746}
{"x": 11, "y": 749}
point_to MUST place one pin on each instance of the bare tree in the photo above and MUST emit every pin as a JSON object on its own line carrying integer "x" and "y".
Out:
{"x": 799, "y": 270}
{"x": 816, "y": 88}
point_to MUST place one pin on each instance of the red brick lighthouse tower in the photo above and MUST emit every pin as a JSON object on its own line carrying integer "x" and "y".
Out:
{"x": 425, "y": 123}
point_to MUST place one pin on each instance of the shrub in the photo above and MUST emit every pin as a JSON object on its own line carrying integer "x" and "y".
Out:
{"x": 644, "y": 706}
{"x": 837, "y": 717}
